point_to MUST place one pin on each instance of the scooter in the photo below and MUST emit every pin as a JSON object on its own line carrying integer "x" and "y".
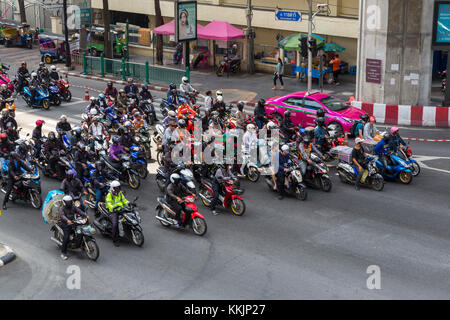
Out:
{"x": 143, "y": 138}
{"x": 371, "y": 178}
{"x": 10, "y": 105}
{"x": 54, "y": 97}
{"x": 190, "y": 216}
{"x": 81, "y": 237}
{"x": 229, "y": 197}
{"x": 397, "y": 169}
{"x": 123, "y": 170}
{"x": 27, "y": 188}
{"x": 317, "y": 176}
{"x": 42, "y": 99}
{"x": 129, "y": 221}
{"x": 405, "y": 153}
{"x": 139, "y": 161}
{"x": 293, "y": 183}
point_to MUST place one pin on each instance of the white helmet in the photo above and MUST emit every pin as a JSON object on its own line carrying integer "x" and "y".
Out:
{"x": 67, "y": 198}
{"x": 92, "y": 98}
{"x": 271, "y": 125}
{"x": 63, "y": 117}
{"x": 184, "y": 79}
{"x": 94, "y": 112}
{"x": 34, "y": 74}
{"x": 128, "y": 124}
{"x": 172, "y": 113}
{"x": 285, "y": 148}
{"x": 175, "y": 177}
{"x": 219, "y": 93}
{"x": 358, "y": 140}
{"x": 53, "y": 68}
{"x": 115, "y": 184}
{"x": 251, "y": 127}
{"x": 4, "y": 86}
{"x": 219, "y": 98}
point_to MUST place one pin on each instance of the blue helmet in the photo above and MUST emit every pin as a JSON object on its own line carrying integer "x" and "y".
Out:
{"x": 101, "y": 96}
{"x": 115, "y": 139}
{"x": 302, "y": 131}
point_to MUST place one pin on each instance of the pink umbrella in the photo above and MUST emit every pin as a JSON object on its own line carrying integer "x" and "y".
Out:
{"x": 169, "y": 28}
{"x": 221, "y": 30}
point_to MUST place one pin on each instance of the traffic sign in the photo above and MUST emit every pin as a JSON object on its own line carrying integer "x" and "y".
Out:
{"x": 288, "y": 15}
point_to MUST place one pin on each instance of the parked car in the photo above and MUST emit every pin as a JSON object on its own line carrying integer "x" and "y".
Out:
{"x": 338, "y": 114}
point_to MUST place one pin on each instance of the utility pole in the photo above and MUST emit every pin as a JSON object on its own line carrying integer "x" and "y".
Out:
{"x": 250, "y": 38}
{"x": 23, "y": 17}
{"x": 66, "y": 36}
{"x": 310, "y": 19}
{"x": 107, "y": 35}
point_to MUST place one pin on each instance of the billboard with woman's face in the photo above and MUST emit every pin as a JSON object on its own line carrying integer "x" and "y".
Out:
{"x": 185, "y": 20}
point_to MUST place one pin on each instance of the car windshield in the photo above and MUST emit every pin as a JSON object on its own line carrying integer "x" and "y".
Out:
{"x": 334, "y": 104}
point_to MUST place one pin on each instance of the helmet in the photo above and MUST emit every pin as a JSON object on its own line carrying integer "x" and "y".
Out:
{"x": 109, "y": 84}
{"x": 251, "y": 127}
{"x": 320, "y": 113}
{"x": 23, "y": 63}
{"x": 387, "y": 137}
{"x": 34, "y": 74}
{"x": 5, "y": 113}
{"x": 137, "y": 114}
{"x": 39, "y": 122}
{"x": 173, "y": 91}
{"x": 77, "y": 130}
{"x": 358, "y": 140}
{"x": 22, "y": 147}
{"x": 302, "y": 131}
{"x": 128, "y": 124}
{"x": 14, "y": 155}
{"x": 219, "y": 93}
{"x": 41, "y": 64}
{"x": 287, "y": 113}
{"x": 394, "y": 130}
{"x": 121, "y": 131}
{"x": 175, "y": 178}
{"x": 184, "y": 79}
{"x": 115, "y": 187}
{"x": 96, "y": 118}
{"x": 63, "y": 117}
{"x": 71, "y": 173}
{"x": 145, "y": 87}
{"x": 220, "y": 98}
{"x": 130, "y": 80}
{"x": 320, "y": 121}
{"x": 94, "y": 112}
{"x": 262, "y": 102}
{"x": 172, "y": 86}
{"x": 271, "y": 125}
{"x": 99, "y": 164}
{"x": 51, "y": 135}
{"x": 365, "y": 117}
{"x": 307, "y": 139}
{"x": 4, "y": 87}
{"x": 372, "y": 119}
{"x": 92, "y": 98}
{"x": 182, "y": 123}
{"x": 53, "y": 68}
{"x": 172, "y": 113}
{"x": 115, "y": 139}
{"x": 9, "y": 124}
{"x": 68, "y": 201}
{"x": 101, "y": 96}
{"x": 285, "y": 148}
{"x": 121, "y": 91}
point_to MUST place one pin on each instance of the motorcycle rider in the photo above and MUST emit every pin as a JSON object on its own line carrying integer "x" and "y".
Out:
{"x": 219, "y": 105}
{"x": 44, "y": 77}
{"x": 382, "y": 150}
{"x": 110, "y": 91}
{"x": 171, "y": 87}
{"x": 171, "y": 116}
{"x": 54, "y": 76}
{"x": 250, "y": 144}
{"x": 67, "y": 214}
{"x": 4, "y": 94}
{"x": 370, "y": 130}
{"x": 241, "y": 116}
{"x": 115, "y": 201}
{"x": 115, "y": 150}
{"x": 73, "y": 187}
{"x": 287, "y": 127}
{"x": 185, "y": 87}
{"x": 22, "y": 72}
{"x": 97, "y": 129}
{"x": 34, "y": 85}
{"x": 41, "y": 68}
{"x": 126, "y": 138}
{"x": 37, "y": 134}
{"x": 174, "y": 196}
{"x": 51, "y": 149}
{"x": 320, "y": 134}
{"x": 92, "y": 105}
{"x": 305, "y": 148}
{"x": 359, "y": 129}
{"x": 222, "y": 175}
{"x": 138, "y": 121}
{"x": 12, "y": 133}
{"x": 15, "y": 167}
{"x": 122, "y": 100}
{"x": 63, "y": 125}
{"x": 81, "y": 159}
{"x": 284, "y": 162}
{"x": 99, "y": 179}
{"x": 76, "y": 136}
{"x": 396, "y": 141}
{"x": 146, "y": 98}
{"x": 260, "y": 114}
{"x": 359, "y": 158}
{"x": 131, "y": 88}
{"x": 5, "y": 119}
{"x": 173, "y": 98}
{"x": 101, "y": 102}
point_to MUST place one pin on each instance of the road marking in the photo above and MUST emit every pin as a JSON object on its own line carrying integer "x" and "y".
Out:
{"x": 421, "y": 159}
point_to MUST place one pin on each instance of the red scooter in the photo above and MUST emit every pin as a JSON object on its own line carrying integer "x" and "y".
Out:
{"x": 191, "y": 216}
{"x": 228, "y": 197}
{"x": 64, "y": 91}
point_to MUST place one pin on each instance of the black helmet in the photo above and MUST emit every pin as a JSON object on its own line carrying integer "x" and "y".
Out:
{"x": 240, "y": 105}
{"x": 110, "y": 84}
{"x": 320, "y": 113}
{"x": 365, "y": 117}
{"x": 145, "y": 87}
{"x": 51, "y": 135}
{"x": 387, "y": 137}
{"x": 306, "y": 139}
{"x": 182, "y": 123}
{"x": 262, "y": 102}
{"x": 22, "y": 148}
{"x": 172, "y": 86}
{"x": 287, "y": 113}
{"x": 99, "y": 164}
{"x": 320, "y": 121}
{"x": 77, "y": 131}
{"x": 121, "y": 130}
{"x": 173, "y": 91}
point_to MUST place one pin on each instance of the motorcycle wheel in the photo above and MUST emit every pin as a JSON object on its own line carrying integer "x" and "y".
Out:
{"x": 253, "y": 174}
{"x": 58, "y": 236}
{"x": 67, "y": 96}
{"x": 161, "y": 184}
{"x": 238, "y": 207}
{"x": 207, "y": 194}
{"x": 46, "y": 104}
{"x": 300, "y": 193}
{"x": 142, "y": 171}
{"x": 325, "y": 184}
{"x": 160, "y": 212}
{"x": 199, "y": 226}
{"x": 91, "y": 249}
{"x": 406, "y": 177}
{"x": 159, "y": 157}
{"x": 35, "y": 199}
{"x": 57, "y": 101}
{"x": 133, "y": 181}
{"x": 342, "y": 176}
{"x": 377, "y": 183}
{"x": 415, "y": 169}
{"x": 137, "y": 237}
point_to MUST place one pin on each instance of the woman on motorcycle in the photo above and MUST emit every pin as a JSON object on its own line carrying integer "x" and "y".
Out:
{"x": 396, "y": 140}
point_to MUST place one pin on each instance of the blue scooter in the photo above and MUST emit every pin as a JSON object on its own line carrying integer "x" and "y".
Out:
{"x": 139, "y": 161}
{"x": 42, "y": 99}
{"x": 55, "y": 97}
{"x": 397, "y": 169}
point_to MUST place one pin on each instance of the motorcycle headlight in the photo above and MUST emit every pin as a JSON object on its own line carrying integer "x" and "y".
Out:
{"x": 126, "y": 165}
{"x": 137, "y": 139}
{"x": 135, "y": 148}
{"x": 77, "y": 203}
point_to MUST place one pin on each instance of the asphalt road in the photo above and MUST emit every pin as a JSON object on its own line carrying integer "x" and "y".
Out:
{"x": 317, "y": 249}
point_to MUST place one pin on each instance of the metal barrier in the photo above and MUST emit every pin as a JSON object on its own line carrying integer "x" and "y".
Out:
{"x": 77, "y": 59}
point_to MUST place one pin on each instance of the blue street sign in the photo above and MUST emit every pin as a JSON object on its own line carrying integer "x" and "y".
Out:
{"x": 288, "y": 15}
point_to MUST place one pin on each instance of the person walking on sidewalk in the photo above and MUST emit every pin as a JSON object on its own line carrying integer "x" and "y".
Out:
{"x": 278, "y": 75}
{"x": 336, "y": 62}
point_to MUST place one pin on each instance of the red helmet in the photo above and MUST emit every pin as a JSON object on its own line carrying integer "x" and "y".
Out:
{"x": 39, "y": 122}
{"x": 3, "y": 135}
{"x": 372, "y": 119}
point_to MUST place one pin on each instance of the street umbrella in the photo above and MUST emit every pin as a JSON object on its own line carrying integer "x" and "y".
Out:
{"x": 292, "y": 43}
{"x": 333, "y": 47}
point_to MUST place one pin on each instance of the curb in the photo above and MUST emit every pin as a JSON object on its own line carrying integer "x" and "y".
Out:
{"x": 8, "y": 257}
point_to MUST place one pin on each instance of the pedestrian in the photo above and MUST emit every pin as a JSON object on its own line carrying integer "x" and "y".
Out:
{"x": 278, "y": 75}
{"x": 336, "y": 62}
{"x": 208, "y": 101}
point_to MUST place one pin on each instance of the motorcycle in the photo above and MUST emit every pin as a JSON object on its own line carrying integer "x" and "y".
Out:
{"x": 54, "y": 97}
{"x": 228, "y": 197}
{"x": 317, "y": 176}
{"x": 347, "y": 174}
{"x": 25, "y": 83}
{"x": 190, "y": 215}
{"x": 64, "y": 91}
{"x": 123, "y": 170}
{"x": 5, "y": 80}
{"x": 62, "y": 165}
{"x": 27, "y": 188}
{"x": 42, "y": 99}
{"x": 10, "y": 105}
{"x": 81, "y": 237}
{"x": 228, "y": 65}
{"x": 165, "y": 107}
{"x": 405, "y": 153}
{"x": 129, "y": 221}
{"x": 147, "y": 107}
{"x": 397, "y": 169}
{"x": 143, "y": 138}
{"x": 100, "y": 146}
{"x": 187, "y": 177}
{"x": 293, "y": 183}
{"x": 139, "y": 161}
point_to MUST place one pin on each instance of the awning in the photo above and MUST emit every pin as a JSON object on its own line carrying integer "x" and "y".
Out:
{"x": 292, "y": 43}
{"x": 221, "y": 30}
{"x": 169, "y": 28}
